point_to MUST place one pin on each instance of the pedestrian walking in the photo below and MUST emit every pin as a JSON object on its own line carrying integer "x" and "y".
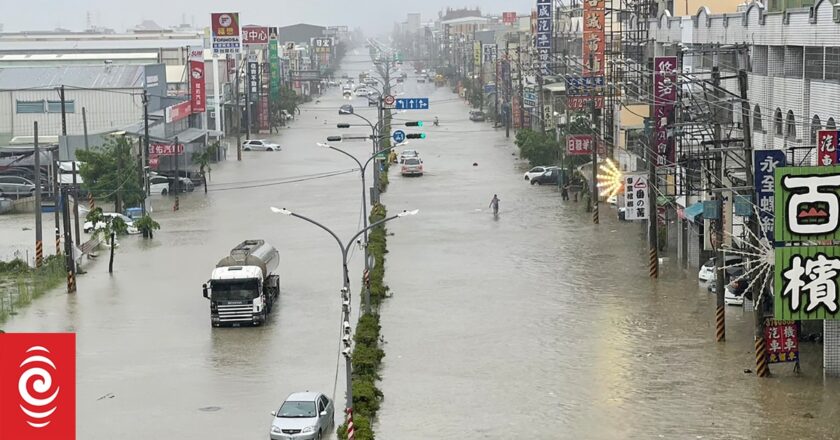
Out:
{"x": 564, "y": 192}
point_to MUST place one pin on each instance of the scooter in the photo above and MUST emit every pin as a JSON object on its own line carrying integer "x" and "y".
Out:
{"x": 436, "y": 123}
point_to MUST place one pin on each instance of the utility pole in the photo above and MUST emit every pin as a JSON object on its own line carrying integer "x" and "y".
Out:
{"x": 39, "y": 234}
{"x": 145, "y": 151}
{"x": 84, "y": 127}
{"x": 69, "y": 263}
{"x": 762, "y": 369}
{"x": 596, "y": 138}
{"x": 720, "y": 304}
{"x": 248, "y": 98}
{"x": 58, "y": 201}
{"x": 521, "y": 92}
{"x": 238, "y": 111}
{"x": 76, "y": 203}
{"x": 653, "y": 156}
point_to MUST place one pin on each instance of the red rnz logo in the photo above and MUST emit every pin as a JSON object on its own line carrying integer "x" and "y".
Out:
{"x": 37, "y": 386}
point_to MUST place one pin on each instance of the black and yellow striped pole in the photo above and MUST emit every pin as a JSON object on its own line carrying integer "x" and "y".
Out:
{"x": 761, "y": 368}
{"x": 91, "y": 202}
{"x": 39, "y": 253}
{"x": 57, "y": 240}
{"x": 720, "y": 324}
{"x": 653, "y": 263}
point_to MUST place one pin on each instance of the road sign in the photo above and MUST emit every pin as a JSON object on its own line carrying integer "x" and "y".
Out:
{"x": 389, "y": 100}
{"x": 412, "y": 103}
{"x": 399, "y": 136}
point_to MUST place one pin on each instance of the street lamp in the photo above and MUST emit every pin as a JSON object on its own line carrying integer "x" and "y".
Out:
{"x": 345, "y": 290}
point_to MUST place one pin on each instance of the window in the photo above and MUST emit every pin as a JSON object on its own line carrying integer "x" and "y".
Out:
{"x": 29, "y": 107}
{"x": 777, "y": 122}
{"x": 829, "y": 125}
{"x": 756, "y": 119}
{"x": 815, "y": 127}
{"x": 791, "y": 125}
{"x": 55, "y": 106}
{"x": 832, "y": 60}
{"x": 793, "y": 61}
{"x": 814, "y": 63}
{"x": 759, "y": 60}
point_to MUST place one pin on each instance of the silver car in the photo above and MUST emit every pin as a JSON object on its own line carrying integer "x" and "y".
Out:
{"x": 303, "y": 416}
{"x": 259, "y": 144}
{"x": 16, "y": 187}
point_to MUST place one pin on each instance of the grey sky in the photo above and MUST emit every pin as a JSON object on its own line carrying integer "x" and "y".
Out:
{"x": 371, "y": 15}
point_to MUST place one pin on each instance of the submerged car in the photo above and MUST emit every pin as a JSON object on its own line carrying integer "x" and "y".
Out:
{"x": 707, "y": 271}
{"x": 407, "y": 154}
{"x": 90, "y": 227}
{"x": 412, "y": 166}
{"x": 477, "y": 116}
{"x": 260, "y": 144}
{"x": 536, "y": 171}
{"x": 303, "y": 416}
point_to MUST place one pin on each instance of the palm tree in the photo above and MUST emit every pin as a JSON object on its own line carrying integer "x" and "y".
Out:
{"x": 203, "y": 159}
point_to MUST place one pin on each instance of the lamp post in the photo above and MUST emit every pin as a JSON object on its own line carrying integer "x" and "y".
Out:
{"x": 345, "y": 290}
{"x": 363, "y": 170}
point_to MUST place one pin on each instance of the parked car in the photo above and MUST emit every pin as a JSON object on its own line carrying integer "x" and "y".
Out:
{"x": 412, "y": 166}
{"x": 90, "y": 227}
{"x": 259, "y": 144}
{"x": 477, "y": 116}
{"x": 730, "y": 274}
{"x": 303, "y": 416}
{"x": 536, "y": 171}
{"x": 707, "y": 270}
{"x": 16, "y": 187}
{"x": 362, "y": 91}
{"x": 735, "y": 292}
{"x": 407, "y": 154}
{"x": 551, "y": 176}
{"x": 158, "y": 185}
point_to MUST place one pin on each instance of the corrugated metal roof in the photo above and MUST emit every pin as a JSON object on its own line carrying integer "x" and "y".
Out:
{"x": 56, "y": 45}
{"x": 108, "y": 77}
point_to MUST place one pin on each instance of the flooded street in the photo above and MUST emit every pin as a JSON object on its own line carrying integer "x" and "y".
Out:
{"x": 537, "y": 324}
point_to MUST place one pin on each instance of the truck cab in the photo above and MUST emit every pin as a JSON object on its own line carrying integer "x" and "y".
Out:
{"x": 242, "y": 288}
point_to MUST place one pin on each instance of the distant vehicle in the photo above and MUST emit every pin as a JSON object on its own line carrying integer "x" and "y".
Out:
{"x": 361, "y": 91}
{"x": 400, "y": 79}
{"x": 286, "y": 115}
{"x": 421, "y": 79}
{"x": 89, "y": 227}
{"x": 407, "y": 154}
{"x": 730, "y": 274}
{"x": 477, "y": 116}
{"x": 536, "y": 171}
{"x": 347, "y": 94}
{"x": 259, "y": 144}
{"x": 550, "y": 176}
{"x": 345, "y": 109}
{"x": 707, "y": 271}
{"x": 412, "y": 166}
{"x": 158, "y": 185}
{"x": 735, "y": 292}
{"x": 243, "y": 286}
{"x": 345, "y": 76}
{"x": 303, "y": 416}
{"x": 332, "y": 82}
{"x": 16, "y": 187}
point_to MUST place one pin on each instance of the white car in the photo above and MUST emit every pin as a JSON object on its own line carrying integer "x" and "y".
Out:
{"x": 536, "y": 171}
{"x": 259, "y": 144}
{"x": 707, "y": 271}
{"x": 733, "y": 294}
{"x": 89, "y": 227}
{"x": 158, "y": 185}
{"x": 361, "y": 91}
{"x": 407, "y": 154}
{"x": 412, "y": 166}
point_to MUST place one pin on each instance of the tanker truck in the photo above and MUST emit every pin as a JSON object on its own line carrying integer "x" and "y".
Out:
{"x": 243, "y": 286}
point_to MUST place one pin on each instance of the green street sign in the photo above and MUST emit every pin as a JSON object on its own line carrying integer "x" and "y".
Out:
{"x": 274, "y": 70}
{"x": 806, "y": 283}
{"x": 807, "y": 204}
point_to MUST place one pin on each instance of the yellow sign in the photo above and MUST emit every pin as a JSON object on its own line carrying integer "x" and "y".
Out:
{"x": 477, "y": 53}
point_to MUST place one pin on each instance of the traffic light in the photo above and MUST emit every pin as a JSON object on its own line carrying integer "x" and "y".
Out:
{"x": 416, "y": 136}
{"x": 343, "y": 125}
{"x": 334, "y": 139}
{"x": 414, "y": 124}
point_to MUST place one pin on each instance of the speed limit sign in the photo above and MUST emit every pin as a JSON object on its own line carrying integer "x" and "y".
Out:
{"x": 389, "y": 101}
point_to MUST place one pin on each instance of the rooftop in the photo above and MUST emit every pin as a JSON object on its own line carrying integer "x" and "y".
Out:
{"x": 107, "y": 77}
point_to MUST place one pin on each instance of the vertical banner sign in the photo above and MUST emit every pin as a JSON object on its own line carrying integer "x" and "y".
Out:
{"x": 766, "y": 162}
{"x": 782, "y": 341}
{"x": 636, "y": 197}
{"x": 664, "y": 99}
{"x": 38, "y": 386}
{"x": 489, "y": 53}
{"x": 517, "y": 114}
{"x": 477, "y": 55}
{"x": 508, "y": 17}
{"x": 253, "y": 79}
{"x": 827, "y": 147}
{"x": 274, "y": 66}
{"x": 579, "y": 145}
{"x": 224, "y": 28}
{"x": 198, "y": 93}
{"x": 593, "y": 37}
{"x": 543, "y": 35}
{"x": 807, "y": 210}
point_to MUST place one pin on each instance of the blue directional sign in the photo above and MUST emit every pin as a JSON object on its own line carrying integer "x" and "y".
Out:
{"x": 399, "y": 136}
{"x": 412, "y": 104}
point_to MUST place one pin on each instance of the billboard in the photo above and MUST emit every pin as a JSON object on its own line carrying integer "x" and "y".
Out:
{"x": 636, "y": 197}
{"x": 543, "y": 34}
{"x": 477, "y": 54}
{"x": 175, "y": 113}
{"x": 322, "y": 45}
{"x": 766, "y": 162}
{"x": 254, "y": 35}
{"x": 274, "y": 69}
{"x": 253, "y": 79}
{"x": 807, "y": 204}
{"x": 579, "y": 145}
{"x": 806, "y": 283}
{"x": 508, "y": 17}
{"x": 593, "y": 37}
{"x": 198, "y": 92}
{"x": 224, "y": 27}
{"x": 155, "y": 85}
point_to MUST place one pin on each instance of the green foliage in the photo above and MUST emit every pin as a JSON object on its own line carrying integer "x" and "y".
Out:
{"x": 362, "y": 426}
{"x": 538, "y": 148}
{"x": 115, "y": 224}
{"x": 20, "y": 284}
{"x": 16, "y": 266}
{"x": 112, "y": 173}
{"x": 147, "y": 225}
{"x": 203, "y": 158}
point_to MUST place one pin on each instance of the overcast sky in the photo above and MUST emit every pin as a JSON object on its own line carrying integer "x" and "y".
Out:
{"x": 372, "y": 15}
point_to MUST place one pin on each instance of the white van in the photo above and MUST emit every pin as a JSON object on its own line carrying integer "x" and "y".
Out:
{"x": 65, "y": 172}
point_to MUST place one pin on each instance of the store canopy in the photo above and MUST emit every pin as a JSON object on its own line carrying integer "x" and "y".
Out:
{"x": 694, "y": 212}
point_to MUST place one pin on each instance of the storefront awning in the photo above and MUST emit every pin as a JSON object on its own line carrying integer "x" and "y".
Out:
{"x": 694, "y": 213}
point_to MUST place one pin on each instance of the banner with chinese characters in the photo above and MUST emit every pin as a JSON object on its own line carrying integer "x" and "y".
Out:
{"x": 766, "y": 162}
{"x": 806, "y": 283}
{"x": 198, "y": 94}
{"x": 579, "y": 145}
{"x": 477, "y": 55}
{"x": 782, "y": 341}
{"x": 224, "y": 29}
{"x": 274, "y": 67}
{"x": 593, "y": 37}
{"x": 636, "y": 197}
{"x": 508, "y": 17}
{"x": 254, "y": 35}
{"x": 489, "y": 53}
{"x": 827, "y": 147}
{"x": 543, "y": 35}
{"x": 807, "y": 204}
{"x": 253, "y": 80}
{"x": 664, "y": 99}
